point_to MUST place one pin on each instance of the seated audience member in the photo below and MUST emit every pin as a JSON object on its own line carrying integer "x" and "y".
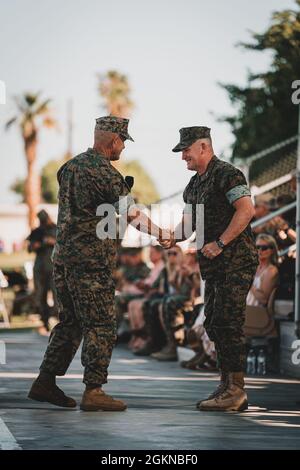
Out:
{"x": 287, "y": 269}
{"x": 281, "y": 227}
{"x": 184, "y": 281}
{"x": 157, "y": 261}
{"x": 121, "y": 263}
{"x": 205, "y": 358}
{"x": 266, "y": 279}
{"x": 135, "y": 312}
{"x": 128, "y": 276}
{"x": 267, "y": 276}
{"x": 262, "y": 209}
{"x": 132, "y": 269}
{"x": 288, "y": 232}
{"x": 164, "y": 286}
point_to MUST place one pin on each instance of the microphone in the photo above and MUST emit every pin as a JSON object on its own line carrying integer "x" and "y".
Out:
{"x": 129, "y": 180}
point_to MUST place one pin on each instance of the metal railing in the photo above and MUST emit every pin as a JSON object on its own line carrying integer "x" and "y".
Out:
{"x": 286, "y": 251}
{"x": 271, "y": 216}
{"x": 265, "y": 188}
{"x": 267, "y": 151}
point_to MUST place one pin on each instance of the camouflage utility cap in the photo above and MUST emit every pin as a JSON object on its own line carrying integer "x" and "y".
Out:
{"x": 114, "y": 124}
{"x": 189, "y": 135}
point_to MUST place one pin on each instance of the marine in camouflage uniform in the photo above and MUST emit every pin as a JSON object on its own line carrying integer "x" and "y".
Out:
{"x": 41, "y": 241}
{"x": 84, "y": 260}
{"x": 83, "y": 269}
{"x": 228, "y": 275}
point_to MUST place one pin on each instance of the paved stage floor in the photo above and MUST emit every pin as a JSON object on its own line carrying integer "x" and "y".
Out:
{"x": 161, "y": 411}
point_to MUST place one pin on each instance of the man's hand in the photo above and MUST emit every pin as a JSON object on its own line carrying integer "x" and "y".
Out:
{"x": 49, "y": 240}
{"x": 211, "y": 250}
{"x": 167, "y": 239}
{"x": 36, "y": 245}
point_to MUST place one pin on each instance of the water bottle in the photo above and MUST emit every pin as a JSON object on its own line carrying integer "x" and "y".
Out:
{"x": 251, "y": 363}
{"x": 261, "y": 363}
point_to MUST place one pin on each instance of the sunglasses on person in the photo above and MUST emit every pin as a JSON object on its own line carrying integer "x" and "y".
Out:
{"x": 170, "y": 253}
{"x": 264, "y": 247}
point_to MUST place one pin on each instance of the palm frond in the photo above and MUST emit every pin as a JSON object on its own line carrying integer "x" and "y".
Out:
{"x": 9, "y": 123}
{"x": 49, "y": 122}
{"x": 31, "y": 98}
{"x": 21, "y": 103}
{"x": 43, "y": 107}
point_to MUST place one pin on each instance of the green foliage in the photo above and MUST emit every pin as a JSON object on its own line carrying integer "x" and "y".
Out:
{"x": 144, "y": 190}
{"x": 265, "y": 113}
{"x": 49, "y": 180}
{"x": 30, "y": 110}
{"x": 115, "y": 90}
{"x": 18, "y": 187}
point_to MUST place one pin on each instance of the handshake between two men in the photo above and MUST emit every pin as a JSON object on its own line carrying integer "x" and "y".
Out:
{"x": 143, "y": 223}
{"x": 167, "y": 238}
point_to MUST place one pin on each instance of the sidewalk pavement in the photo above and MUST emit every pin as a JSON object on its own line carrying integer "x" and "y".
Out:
{"x": 161, "y": 411}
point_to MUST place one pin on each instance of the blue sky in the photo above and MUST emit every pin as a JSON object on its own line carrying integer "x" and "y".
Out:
{"x": 173, "y": 53}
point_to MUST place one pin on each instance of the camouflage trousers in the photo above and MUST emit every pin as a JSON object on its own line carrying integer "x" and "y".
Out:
{"x": 43, "y": 283}
{"x": 225, "y": 304}
{"x": 152, "y": 323}
{"x": 171, "y": 305}
{"x": 85, "y": 299}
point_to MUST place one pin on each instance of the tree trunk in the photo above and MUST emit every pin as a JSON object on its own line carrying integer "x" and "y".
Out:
{"x": 33, "y": 182}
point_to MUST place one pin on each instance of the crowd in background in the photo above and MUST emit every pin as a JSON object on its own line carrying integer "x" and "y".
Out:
{"x": 163, "y": 307}
{"x": 283, "y": 230}
{"x": 158, "y": 301}
{"x": 155, "y": 301}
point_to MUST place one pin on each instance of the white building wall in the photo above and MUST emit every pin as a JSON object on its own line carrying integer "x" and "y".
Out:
{"x": 14, "y": 223}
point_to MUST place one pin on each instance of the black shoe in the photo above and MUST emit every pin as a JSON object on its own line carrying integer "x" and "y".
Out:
{"x": 195, "y": 361}
{"x": 146, "y": 350}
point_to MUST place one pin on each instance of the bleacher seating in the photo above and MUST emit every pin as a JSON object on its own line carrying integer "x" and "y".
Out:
{"x": 285, "y": 165}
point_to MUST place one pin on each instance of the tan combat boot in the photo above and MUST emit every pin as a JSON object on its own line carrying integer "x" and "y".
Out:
{"x": 96, "y": 399}
{"x": 234, "y": 397}
{"x": 219, "y": 390}
{"x": 49, "y": 392}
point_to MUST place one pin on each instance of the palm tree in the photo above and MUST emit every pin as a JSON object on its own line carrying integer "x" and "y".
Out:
{"x": 115, "y": 90}
{"x": 32, "y": 115}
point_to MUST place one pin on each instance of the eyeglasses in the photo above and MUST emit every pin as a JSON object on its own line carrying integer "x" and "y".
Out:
{"x": 264, "y": 247}
{"x": 170, "y": 253}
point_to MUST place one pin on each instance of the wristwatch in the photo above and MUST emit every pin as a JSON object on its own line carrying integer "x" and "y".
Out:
{"x": 220, "y": 244}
